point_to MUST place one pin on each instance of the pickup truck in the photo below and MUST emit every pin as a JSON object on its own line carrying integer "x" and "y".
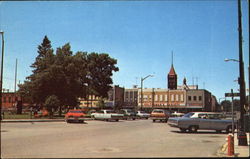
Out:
{"x": 201, "y": 120}
{"x": 107, "y": 115}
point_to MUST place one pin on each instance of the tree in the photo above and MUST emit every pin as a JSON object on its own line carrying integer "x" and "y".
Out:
{"x": 52, "y": 103}
{"x": 100, "y": 68}
{"x": 67, "y": 76}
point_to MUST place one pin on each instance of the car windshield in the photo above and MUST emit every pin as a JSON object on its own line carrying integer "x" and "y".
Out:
{"x": 75, "y": 111}
{"x": 188, "y": 115}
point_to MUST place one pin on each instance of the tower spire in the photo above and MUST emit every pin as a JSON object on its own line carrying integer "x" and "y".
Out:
{"x": 172, "y": 58}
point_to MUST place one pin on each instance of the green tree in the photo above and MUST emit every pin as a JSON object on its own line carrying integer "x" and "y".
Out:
{"x": 67, "y": 76}
{"x": 52, "y": 103}
{"x": 100, "y": 71}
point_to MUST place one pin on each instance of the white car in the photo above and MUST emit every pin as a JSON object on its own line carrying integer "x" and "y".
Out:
{"x": 107, "y": 115}
{"x": 142, "y": 114}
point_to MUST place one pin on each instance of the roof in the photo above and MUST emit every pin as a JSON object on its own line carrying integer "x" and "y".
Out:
{"x": 172, "y": 71}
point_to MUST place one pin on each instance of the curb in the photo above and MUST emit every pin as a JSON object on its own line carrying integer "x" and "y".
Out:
{"x": 35, "y": 120}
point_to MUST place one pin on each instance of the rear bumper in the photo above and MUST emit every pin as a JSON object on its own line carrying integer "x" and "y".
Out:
{"x": 76, "y": 119}
{"x": 159, "y": 118}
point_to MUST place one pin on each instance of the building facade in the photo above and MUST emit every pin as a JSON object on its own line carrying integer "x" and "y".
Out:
{"x": 115, "y": 99}
{"x": 9, "y": 100}
{"x": 181, "y": 100}
{"x": 130, "y": 98}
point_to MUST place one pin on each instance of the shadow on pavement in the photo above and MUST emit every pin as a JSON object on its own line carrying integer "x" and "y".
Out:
{"x": 198, "y": 132}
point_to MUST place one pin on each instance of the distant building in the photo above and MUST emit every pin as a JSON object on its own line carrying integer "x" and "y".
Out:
{"x": 9, "y": 100}
{"x": 115, "y": 99}
{"x": 183, "y": 98}
{"x": 130, "y": 98}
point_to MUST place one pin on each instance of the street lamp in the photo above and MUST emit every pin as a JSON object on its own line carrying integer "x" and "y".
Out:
{"x": 1, "y": 83}
{"x": 142, "y": 79}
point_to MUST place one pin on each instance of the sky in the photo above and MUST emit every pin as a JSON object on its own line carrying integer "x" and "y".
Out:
{"x": 141, "y": 35}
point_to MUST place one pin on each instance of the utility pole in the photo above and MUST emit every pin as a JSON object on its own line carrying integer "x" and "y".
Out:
{"x": 242, "y": 138}
{"x": 1, "y": 84}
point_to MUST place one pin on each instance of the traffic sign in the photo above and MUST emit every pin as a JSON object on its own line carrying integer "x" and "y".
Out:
{"x": 232, "y": 94}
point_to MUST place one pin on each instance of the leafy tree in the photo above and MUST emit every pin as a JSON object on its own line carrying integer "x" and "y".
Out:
{"x": 67, "y": 76}
{"x": 100, "y": 68}
{"x": 45, "y": 56}
{"x": 52, "y": 103}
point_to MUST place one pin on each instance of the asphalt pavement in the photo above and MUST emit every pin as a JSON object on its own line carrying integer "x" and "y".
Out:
{"x": 239, "y": 151}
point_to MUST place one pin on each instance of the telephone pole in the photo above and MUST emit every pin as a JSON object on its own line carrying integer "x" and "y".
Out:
{"x": 242, "y": 138}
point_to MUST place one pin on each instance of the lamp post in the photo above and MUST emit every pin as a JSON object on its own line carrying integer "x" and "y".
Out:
{"x": 142, "y": 79}
{"x": 1, "y": 83}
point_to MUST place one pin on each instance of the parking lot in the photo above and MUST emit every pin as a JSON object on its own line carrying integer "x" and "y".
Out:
{"x": 139, "y": 138}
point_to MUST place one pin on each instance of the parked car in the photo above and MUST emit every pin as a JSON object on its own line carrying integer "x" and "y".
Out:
{"x": 201, "y": 120}
{"x": 141, "y": 114}
{"x": 160, "y": 114}
{"x": 176, "y": 114}
{"x": 107, "y": 115}
{"x": 128, "y": 114}
{"x": 75, "y": 115}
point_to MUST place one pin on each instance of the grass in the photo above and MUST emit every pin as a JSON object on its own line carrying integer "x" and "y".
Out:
{"x": 28, "y": 116}
{"x": 16, "y": 116}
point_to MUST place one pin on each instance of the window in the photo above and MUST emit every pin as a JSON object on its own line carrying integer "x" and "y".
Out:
{"x": 177, "y": 97}
{"x": 156, "y": 97}
{"x": 166, "y": 97}
{"x": 182, "y": 97}
{"x": 9, "y": 99}
{"x": 200, "y": 98}
{"x": 172, "y": 97}
{"x": 195, "y": 98}
{"x": 189, "y": 98}
{"x": 160, "y": 97}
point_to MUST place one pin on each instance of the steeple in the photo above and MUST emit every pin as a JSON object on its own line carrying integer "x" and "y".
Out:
{"x": 172, "y": 77}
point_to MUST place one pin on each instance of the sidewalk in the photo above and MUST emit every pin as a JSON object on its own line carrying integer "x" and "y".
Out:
{"x": 239, "y": 151}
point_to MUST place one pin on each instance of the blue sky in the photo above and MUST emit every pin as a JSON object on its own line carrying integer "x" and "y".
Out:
{"x": 140, "y": 34}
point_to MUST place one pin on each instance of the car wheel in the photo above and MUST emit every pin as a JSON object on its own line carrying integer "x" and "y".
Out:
{"x": 193, "y": 128}
{"x": 153, "y": 120}
{"x": 229, "y": 129}
{"x": 107, "y": 120}
{"x": 117, "y": 120}
{"x": 147, "y": 118}
{"x": 183, "y": 130}
{"x": 133, "y": 118}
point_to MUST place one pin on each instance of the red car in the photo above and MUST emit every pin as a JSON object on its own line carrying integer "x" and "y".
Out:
{"x": 75, "y": 115}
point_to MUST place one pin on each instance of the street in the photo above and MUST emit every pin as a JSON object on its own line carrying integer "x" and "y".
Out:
{"x": 140, "y": 138}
